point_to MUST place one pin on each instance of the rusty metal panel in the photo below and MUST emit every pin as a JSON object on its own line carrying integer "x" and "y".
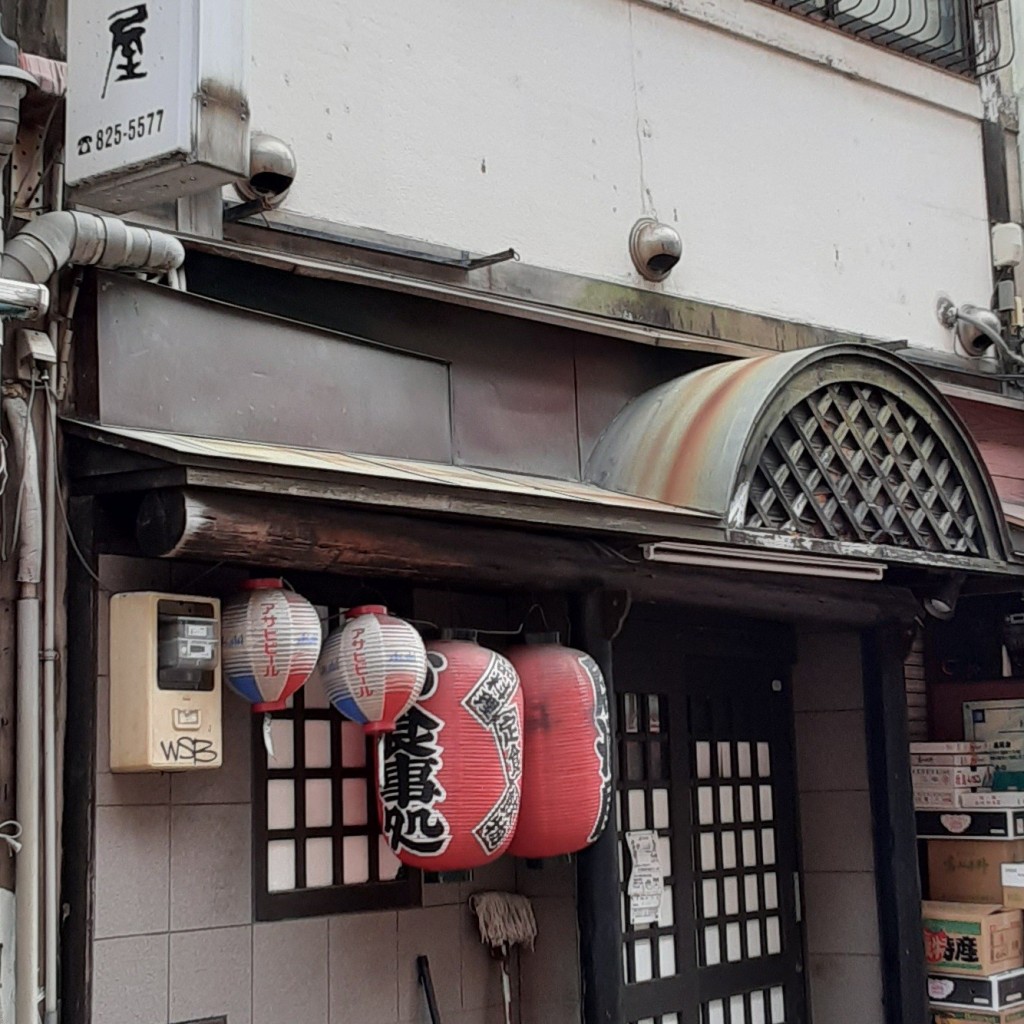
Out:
{"x": 177, "y": 362}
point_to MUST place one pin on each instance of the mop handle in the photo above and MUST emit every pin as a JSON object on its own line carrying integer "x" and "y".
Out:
{"x": 423, "y": 969}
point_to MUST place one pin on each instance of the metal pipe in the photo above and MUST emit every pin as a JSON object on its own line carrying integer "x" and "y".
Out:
{"x": 27, "y": 672}
{"x": 54, "y": 240}
{"x": 49, "y": 659}
{"x": 990, "y": 333}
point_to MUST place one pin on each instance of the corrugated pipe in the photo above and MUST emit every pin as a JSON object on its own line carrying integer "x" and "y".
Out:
{"x": 11, "y": 92}
{"x": 54, "y": 240}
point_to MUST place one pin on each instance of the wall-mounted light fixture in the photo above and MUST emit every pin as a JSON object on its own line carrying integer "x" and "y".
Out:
{"x": 655, "y": 248}
{"x": 941, "y": 604}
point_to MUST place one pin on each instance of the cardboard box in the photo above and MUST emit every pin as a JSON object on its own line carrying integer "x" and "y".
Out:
{"x": 976, "y": 1015}
{"x": 938, "y": 777}
{"x": 939, "y": 799}
{"x": 970, "y": 824}
{"x": 950, "y": 760}
{"x": 999, "y": 723}
{"x": 998, "y": 992}
{"x": 988, "y": 799}
{"x": 972, "y": 939}
{"x": 1013, "y": 886}
{"x": 957, "y": 747}
{"x": 969, "y": 870}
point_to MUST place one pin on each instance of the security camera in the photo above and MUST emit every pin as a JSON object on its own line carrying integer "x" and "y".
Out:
{"x": 272, "y": 169}
{"x": 655, "y": 247}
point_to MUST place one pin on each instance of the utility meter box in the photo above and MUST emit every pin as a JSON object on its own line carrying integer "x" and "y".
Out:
{"x": 165, "y": 682}
{"x": 156, "y": 100}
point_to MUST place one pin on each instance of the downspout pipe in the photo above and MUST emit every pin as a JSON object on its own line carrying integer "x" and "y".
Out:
{"x": 30, "y": 555}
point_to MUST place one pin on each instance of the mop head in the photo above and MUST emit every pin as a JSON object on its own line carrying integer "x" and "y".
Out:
{"x": 504, "y": 918}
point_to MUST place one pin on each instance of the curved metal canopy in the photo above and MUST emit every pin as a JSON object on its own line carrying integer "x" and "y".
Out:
{"x": 835, "y": 449}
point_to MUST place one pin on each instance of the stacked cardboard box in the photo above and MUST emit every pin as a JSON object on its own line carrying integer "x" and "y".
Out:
{"x": 944, "y": 774}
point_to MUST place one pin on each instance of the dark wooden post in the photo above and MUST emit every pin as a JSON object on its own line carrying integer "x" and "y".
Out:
{"x": 597, "y": 868}
{"x": 897, "y": 881}
{"x": 79, "y": 771}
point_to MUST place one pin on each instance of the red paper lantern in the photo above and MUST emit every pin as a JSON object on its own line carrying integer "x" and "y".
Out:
{"x": 449, "y": 775}
{"x": 567, "y": 777}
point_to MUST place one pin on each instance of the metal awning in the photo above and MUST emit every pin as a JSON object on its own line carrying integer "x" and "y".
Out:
{"x": 173, "y": 459}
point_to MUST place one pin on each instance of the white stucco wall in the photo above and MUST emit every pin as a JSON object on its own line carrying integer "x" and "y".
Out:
{"x": 801, "y": 189}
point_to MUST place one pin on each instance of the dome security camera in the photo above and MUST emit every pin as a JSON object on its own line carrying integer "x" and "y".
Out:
{"x": 272, "y": 170}
{"x": 655, "y": 248}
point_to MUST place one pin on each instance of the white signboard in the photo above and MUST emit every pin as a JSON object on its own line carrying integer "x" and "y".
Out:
{"x": 156, "y": 105}
{"x": 130, "y": 76}
{"x": 646, "y": 881}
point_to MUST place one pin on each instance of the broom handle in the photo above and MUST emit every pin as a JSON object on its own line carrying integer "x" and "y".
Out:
{"x": 506, "y": 984}
{"x": 423, "y": 969}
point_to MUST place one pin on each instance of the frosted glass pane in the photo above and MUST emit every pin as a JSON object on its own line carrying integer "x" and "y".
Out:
{"x": 353, "y": 801}
{"x": 716, "y": 1012}
{"x": 280, "y": 804}
{"x": 356, "y": 860}
{"x": 768, "y": 845}
{"x": 778, "y": 1006}
{"x": 767, "y": 807}
{"x": 737, "y": 1011}
{"x": 706, "y": 805}
{"x": 280, "y": 865}
{"x": 666, "y": 957}
{"x": 746, "y": 803}
{"x": 659, "y": 800}
{"x": 319, "y": 812}
{"x": 753, "y": 939}
{"x": 764, "y": 761}
{"x": 725, "y": 799}
{"x": 318, "y": 744}
{"x": 283, "y": 738}
{"x": 774, "y": 936}
{"x": 319, "y": 863}
{"x": 642, "y": 959}
{"x": 389, "y": 865}
{"x": 637, "y": 813}
{"x": 757, "y": 1009}
{"x": 622, "y": 868}
{"x": 353, "y": 745}
{"x": 712, "y": 947}
{"x": 709, "y": 889}
{"x": 666, "y": 912}
{"x": 750, "y": 897}
{"x": 707, "y": 851}
{"x": 665, "y": 855}
{"x": 725, "y": 760}
{"x": 703, "y": 760}
{"x": 670, "y": 1018}
{"x": 728, "y": 850}
{"x": 743, "y": 763}
{"x": 749, "y": 848}
{"x": 733, "y": 942}
{"x": 618, "y": 812}
{"x": 771, "y": 891}
{"x": 731, "y": 891}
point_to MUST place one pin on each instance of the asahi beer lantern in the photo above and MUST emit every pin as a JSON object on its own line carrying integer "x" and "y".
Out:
{"x": 567, "y": 775}
{"x": 449, "y": 775}
{"x": 373, "y": 668}
{"x": 270, "y": 642}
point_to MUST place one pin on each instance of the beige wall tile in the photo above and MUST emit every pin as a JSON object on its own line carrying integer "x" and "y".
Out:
{"x": 831, "y": 751}
{"x": 132, "y": 859}
{"x": 845, "y": 988}
{"x": 211, "y": 866}
{"x": 363, "y": 968}
{"x": 551, "y": 974}
{"x": 129, "y": 984}
{"x": 211, "y": 974}
{"x": 837, "y": 832}
{"x": 289, "y": 972}
{"x": 841, "y": 913}
{"x": 827, "y": 675}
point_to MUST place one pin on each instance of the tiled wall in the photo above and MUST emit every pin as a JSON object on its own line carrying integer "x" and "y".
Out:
{"x": 844, "y": 967}
{"x": 174, "y": 938}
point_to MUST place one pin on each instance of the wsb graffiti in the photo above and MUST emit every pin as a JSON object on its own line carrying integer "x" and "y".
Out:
{"x": 188, "y": 750}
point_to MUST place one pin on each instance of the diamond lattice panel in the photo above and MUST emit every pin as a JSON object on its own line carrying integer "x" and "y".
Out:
{"x": 853, "y": 462}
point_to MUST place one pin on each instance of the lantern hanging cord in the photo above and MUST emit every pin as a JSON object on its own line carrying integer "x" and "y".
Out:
{"x": 10, "y": 833}
{"x": 268, "y": 735}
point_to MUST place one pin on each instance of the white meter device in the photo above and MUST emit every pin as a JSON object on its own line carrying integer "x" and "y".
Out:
{"x": 165, "y": 682}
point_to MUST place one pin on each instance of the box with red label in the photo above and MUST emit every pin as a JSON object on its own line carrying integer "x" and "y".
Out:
{"x": 972, "y": 938}
{"x": 938, "y": 777}
{"x": 975, "y": 1015}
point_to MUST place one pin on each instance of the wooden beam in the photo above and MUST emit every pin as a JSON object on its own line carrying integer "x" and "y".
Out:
{"x": 296, "y": 534}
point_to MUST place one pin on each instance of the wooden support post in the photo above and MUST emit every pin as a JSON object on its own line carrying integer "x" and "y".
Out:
{"x": 597, "y": 867}
{"x": 897, "y": 881}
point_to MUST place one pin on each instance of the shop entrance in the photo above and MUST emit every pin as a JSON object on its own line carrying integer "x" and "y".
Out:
{"x": 706, "y": 772}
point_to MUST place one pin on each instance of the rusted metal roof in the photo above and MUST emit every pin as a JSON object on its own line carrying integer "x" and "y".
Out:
{"x": 835, "y": 448}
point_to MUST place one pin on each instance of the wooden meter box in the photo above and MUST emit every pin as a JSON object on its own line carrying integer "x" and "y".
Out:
{"x": 165, "y": 682}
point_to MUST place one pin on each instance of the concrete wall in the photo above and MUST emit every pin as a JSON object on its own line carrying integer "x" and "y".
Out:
{"x": 840, "y": 911}
{"x": 811, "y": 176}
{"x": 174, "y": 937}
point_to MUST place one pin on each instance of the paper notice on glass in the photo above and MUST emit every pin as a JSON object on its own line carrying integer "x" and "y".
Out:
{"x": 646, "y": 883}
